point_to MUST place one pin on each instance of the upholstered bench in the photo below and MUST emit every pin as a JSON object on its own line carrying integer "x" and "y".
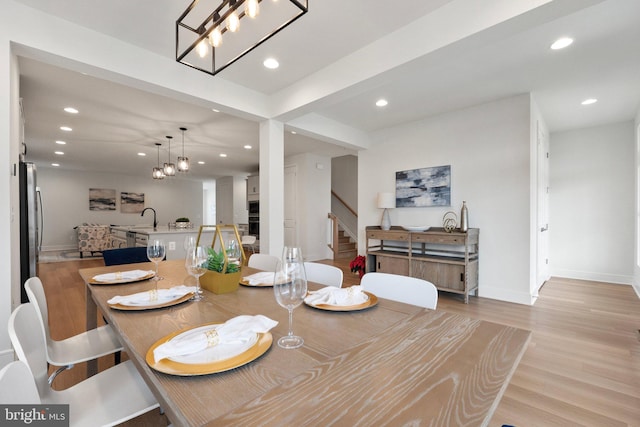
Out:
{"x": 93, "y": 238}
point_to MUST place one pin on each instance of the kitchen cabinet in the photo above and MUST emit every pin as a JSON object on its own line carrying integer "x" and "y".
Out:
{"x": 449, "y": 260}
{"x": 253, "y": 188}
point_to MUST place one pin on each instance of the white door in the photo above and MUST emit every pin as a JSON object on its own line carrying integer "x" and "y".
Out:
{"x": 224, "y": 202}
{"x": 543, "y": 209}
{"x": 290, "y": 203}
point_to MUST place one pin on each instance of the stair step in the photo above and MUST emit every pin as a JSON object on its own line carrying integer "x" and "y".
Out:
{"x": 346, "y": 254}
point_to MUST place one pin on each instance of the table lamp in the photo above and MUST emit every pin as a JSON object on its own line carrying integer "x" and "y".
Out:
{"x": 386, "y": 201}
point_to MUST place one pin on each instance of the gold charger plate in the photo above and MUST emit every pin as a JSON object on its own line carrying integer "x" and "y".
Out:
{"x": 172, "y": 367}
{"x": 152, "y": 306}
{"x": 92, "y": 281}
{"x": 260, "y": 285}
{"x": 373, "y": 300}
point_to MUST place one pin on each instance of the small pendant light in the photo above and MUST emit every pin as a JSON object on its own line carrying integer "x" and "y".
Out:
{"x": 169, "y": 168}
{"x": 183, "y": 162}
{"x": 157, "y": 171}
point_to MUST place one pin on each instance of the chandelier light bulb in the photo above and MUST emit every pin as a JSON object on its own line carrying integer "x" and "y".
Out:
{"x": 215, "y": 38}
{"x": 183, "y": 161}
{"x": 202, "y": 49}
{"x": 253, "y": 8}
{"x": 233, "y": 23}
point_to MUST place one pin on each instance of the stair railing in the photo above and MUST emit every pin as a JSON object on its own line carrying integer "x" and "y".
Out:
{"x": 343, "y": 217}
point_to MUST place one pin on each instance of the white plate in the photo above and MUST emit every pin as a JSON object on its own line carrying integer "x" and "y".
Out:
{"x": 415, "y": 227}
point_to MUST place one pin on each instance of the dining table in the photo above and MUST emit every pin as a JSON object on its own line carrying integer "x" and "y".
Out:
{"x": 388, "y": 363}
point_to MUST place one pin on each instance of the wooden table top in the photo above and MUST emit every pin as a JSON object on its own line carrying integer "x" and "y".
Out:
{"x": 390, "y": 364}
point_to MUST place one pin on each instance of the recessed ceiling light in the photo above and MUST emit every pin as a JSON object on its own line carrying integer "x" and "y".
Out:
{"x": 71, "y": 110}
{"x": 142, "y": 154}
{"x": 59, "y": 153}
{"x": 200, "y": 162}
{"x": 55, "y": 164}
{"x": 561, "y": 43}
{"x": 248, "y": 147}
{"x": 293, "y": 132}
{"x": 589, "y": 101}
{"x": 215, "y": 111}
{"x": 61, "y": 142}
{"x": 223, "y": 155}
{"x": 271, "y": 63}
{"x": 381, "y": 103}
{"x": 66, "y": 128}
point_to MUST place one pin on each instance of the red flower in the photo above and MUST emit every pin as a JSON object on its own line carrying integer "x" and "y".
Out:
{"x": 358, "y": 265}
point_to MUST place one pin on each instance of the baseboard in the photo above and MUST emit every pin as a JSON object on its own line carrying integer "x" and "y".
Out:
{"x": 619, "y": 279}
{"x": 59, "y": 248}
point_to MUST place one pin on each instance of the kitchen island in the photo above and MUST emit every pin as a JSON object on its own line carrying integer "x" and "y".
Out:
{"x": 124, "y": 236}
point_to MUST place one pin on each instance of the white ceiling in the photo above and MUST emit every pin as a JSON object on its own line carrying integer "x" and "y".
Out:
{"x": 507, "y": 59}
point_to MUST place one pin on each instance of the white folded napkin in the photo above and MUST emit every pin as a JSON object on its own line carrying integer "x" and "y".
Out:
{"x": 331, "y": 295}
{"x": 122, "y": 275}
{"x": 262, "y": 278}
{"x": 153, "y": 296}
{"x": 236, "y": 330}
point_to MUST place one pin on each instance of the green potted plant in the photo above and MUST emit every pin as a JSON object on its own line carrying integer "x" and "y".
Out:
{"x": 221, "y": 276}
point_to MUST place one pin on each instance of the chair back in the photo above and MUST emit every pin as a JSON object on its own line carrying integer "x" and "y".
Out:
{"x": 263, "y": 262}
{"x": 410, "y": 290}
{"x": 25, "y": 332}
{"x": 17, "y": 385}
{"x": 37, "y": 297}
{"x": 125, "y": 255}
{"x": 324, "y": 274}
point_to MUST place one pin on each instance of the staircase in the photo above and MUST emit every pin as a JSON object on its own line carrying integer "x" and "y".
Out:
{"x": 346, "y": 247}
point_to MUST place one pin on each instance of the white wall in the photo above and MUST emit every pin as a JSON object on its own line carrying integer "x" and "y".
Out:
{"x": 636, "y": 263}
{"x": 488, "y": 148}
{"x": 344, "y": 179}
{"x": 313, "y": 172}
{"x": 592, "y": 194}
{"x": 65, "y": 199}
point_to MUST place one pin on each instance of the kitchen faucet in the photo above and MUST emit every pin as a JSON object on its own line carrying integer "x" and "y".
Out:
{"x": 155, "y": 222}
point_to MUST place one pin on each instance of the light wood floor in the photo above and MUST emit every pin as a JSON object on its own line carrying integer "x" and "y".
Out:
{"x": 582, "y": 367}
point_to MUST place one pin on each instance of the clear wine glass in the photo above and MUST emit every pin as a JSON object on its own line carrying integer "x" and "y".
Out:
{"x": 156, "y": 252}
{"x": 196, "y": 265}
{"x": 233, "y": 251}
{"x": 290, "y": 289}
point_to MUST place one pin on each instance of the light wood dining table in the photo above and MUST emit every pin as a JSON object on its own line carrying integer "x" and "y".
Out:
{"x": 390, "y": 364}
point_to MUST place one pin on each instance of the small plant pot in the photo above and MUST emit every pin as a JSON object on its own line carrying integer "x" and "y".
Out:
{"x": 220, "y": 283}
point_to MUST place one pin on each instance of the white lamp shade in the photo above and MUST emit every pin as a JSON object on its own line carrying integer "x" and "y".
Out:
{"x": 386, "y": 200}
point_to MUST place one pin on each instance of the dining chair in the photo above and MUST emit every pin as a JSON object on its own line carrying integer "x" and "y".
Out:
{"x": 249, "y": 242}
{"x": 324, "y": 274}
{"x": 17, "y": 385}
{"x": 110, "y": 397}
{"x": 263, "y": 262}
{"x": 410, "y": 290}
{"x": 85, "y": 346}
{"x": 125, "y": 255}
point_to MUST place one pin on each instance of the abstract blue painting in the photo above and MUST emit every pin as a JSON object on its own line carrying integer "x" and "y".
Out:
{"x": 424, "y": 187}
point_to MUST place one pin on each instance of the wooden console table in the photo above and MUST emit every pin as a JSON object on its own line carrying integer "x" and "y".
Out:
{"x": 449, "y": 260}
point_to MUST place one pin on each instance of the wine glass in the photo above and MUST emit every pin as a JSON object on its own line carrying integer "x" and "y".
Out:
{"x": 196, "y": 265}
{"x": 233, "y": 252}
{"x": 290, "y": 289}
{"x": 155, "y": 253}
{"x": 189, "y": 242}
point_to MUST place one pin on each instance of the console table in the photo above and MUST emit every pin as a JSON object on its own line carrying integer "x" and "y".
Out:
{"x": 449, "y": 260}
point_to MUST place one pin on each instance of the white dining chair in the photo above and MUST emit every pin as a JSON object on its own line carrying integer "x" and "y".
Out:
{"x": 85, "y": 346}
{"x": 248, "y": 241}
{"x": 263, "y": 262}
{"x": 110, "y": 397}
{"x": 324, "y": 274}
{"x": 17, "y": 385}
{"x": 410, "y": 290}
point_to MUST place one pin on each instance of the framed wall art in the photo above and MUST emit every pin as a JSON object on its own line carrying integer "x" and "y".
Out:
{"x": 131, "y": 202}
{"x": 102, "y": 199}
{"x": 424, "y": 187}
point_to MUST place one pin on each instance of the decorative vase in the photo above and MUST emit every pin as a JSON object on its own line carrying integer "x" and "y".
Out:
{"x": 464, "y": 218}
{"x": 220, "y": 283}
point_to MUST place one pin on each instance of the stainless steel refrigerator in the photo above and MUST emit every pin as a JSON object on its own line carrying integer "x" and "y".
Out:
{"x": 31, "y": 222}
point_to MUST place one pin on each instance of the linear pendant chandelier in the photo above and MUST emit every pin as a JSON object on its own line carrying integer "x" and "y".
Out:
{"x": 213, "y": 34}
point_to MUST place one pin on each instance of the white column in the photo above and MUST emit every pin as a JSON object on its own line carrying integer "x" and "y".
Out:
{"x": 271, "y": 187}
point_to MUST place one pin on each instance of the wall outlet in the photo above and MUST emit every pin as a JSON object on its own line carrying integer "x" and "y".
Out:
{"x": 172, "y": 246}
